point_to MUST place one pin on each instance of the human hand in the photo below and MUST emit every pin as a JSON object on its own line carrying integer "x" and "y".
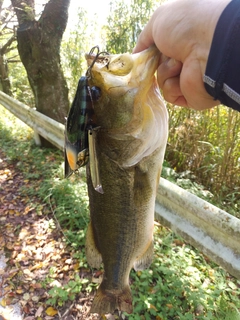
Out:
{"x": 183, "y": 30}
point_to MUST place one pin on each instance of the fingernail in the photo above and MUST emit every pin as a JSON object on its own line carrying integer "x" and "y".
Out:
{"x": 171, "y": 63}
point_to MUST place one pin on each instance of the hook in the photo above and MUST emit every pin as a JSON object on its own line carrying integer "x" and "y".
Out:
{"x": 88, "y": 73}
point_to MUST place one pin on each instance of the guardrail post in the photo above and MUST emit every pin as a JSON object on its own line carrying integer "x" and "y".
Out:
{"x": 36, "y": 138}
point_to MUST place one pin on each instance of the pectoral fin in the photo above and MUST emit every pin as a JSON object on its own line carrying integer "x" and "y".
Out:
{"x": 145, "y": 260}
{"x": 94, "y": 257}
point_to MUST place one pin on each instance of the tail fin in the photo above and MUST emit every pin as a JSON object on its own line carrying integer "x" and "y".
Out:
{"x": 107, "y": 301}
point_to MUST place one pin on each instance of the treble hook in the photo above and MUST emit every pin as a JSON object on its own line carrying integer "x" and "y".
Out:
{"x": 88, "y": 73}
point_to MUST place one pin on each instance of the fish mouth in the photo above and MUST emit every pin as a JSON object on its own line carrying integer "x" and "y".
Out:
{"x": 143, "y": 63}
{"x": 146, "y": 63}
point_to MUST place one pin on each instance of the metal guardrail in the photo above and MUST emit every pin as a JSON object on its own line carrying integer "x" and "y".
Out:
{"x": 213, "y": 231}
{"x": 48, "y": 128}
{"x": 208, "y": 228}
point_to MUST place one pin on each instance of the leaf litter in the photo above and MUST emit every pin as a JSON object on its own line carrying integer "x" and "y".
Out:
{"x": 30, "y": 250}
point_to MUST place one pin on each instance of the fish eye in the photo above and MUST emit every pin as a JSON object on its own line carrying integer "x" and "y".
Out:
{"x": 96, "y": 93}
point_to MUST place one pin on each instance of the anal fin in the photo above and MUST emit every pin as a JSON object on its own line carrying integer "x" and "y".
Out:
{"x": 144, "y": 261}
{"x": 94, "y": 257}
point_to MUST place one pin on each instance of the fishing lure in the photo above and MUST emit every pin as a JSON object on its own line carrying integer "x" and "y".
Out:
{"x": 81, "y": 128}
{"x": 80, "y": 119}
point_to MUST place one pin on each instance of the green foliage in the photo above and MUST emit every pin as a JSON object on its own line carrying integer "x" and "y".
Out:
{"x": 74, "y": 46}
{"x": 14, "y": 69}
{"x": 71, "y": 210}
{"x": 20, "y": 86}
{"x": 125, "y": 22}
{"x": 187, "y": 181}
{"x": 7, "y": 45}
{"x": 60, "y": 295}
{"x": 207, "y": 144}
{"x": 181, "y": 284}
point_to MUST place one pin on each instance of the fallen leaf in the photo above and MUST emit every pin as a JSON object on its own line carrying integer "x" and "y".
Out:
{"x": 232, "y": 285}
{"x": 178, "y": 242}
{"x": 36, "y": 285}
{"x": 10, "y": 299}
{"x": 39, "y": 311}
{"x": 76, "y": 266}
{"x": 25, "y": 307}
{"x": 35, "y": 298}
{"x": 51, "y": 311}
{"x": 96, "y": 280}
{"x": 99, "y": 273}
{"x": 2, "y": 242}
{"x": 55, "y": 283}
{"x": 68, "y": 261}
{"x": 3, "y": 302}
{"x": 153, "y": 307}
{"x": 38, "y": 266}
{"x": 9, "y": 246}
{"x": 65, "y": 268}
{"x": 19, "y": 291}
{"x": 26, "y": 296}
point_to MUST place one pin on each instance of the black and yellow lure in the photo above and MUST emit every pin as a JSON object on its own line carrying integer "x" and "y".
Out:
{"x": 81, "y": 128}
{"x": 80, "y": 119}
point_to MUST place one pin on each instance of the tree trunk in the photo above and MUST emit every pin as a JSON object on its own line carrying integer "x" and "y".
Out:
{"x": 5, "y": 84}
{"x": 7, "y": 39}
{"x": 39, "y": 49}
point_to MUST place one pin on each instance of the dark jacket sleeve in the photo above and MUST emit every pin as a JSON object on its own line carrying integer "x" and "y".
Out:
{"x": 222, "y": 76}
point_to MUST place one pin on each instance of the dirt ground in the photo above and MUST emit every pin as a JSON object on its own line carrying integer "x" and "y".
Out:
{"x": 30, "y": 248}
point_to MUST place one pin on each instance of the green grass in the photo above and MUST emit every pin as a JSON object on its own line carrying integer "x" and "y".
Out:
{"x": 181, "y": 283}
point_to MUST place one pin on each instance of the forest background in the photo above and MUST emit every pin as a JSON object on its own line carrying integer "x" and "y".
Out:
{"x": 203, "y": 151}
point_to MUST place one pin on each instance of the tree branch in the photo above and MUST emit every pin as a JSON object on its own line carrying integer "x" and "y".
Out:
{"x": 5, "y": 47}
{"x": 25, "y": 10}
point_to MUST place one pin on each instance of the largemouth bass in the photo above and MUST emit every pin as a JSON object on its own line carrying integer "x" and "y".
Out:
{"x": 129, "y": 145}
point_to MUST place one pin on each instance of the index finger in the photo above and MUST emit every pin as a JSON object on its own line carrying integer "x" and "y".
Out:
{"x": 145, "y": 39}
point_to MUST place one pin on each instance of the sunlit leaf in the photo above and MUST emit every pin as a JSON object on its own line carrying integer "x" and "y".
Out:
{"x": 51, "y": 311}
{"x": 3, "y": 302}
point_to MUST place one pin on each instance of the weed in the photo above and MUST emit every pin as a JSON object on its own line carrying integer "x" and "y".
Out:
{"x": 208, "y": 145}
{"x": 60, "y": 295}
